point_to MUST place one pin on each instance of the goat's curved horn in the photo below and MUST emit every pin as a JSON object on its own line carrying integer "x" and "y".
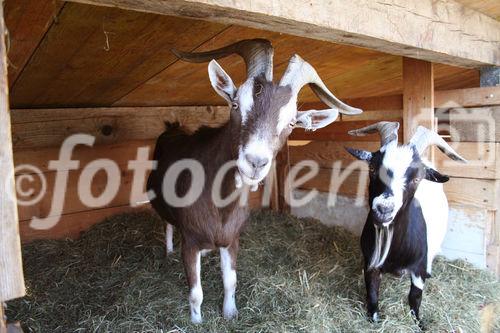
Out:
{"x": 424, "y": 138}
{"x": 257, "y": 53}
{"x": 300, "y": 72}
{"x": 388, "y": 131}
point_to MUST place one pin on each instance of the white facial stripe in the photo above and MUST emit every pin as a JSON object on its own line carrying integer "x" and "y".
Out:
{"x": 257, "y": 147}
{"x": 245, "y": 99}
{"x": 397, "y": 159}
{"x": 287, "y": 113}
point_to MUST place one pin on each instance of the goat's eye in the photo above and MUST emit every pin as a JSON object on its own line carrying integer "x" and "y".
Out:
{"x": 234, "y": 105}
{"x": 292, "y": 123}
{"x": 416, "y": 180}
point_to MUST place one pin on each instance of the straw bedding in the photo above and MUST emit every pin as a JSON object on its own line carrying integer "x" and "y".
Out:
{"x": 294, "y": 275}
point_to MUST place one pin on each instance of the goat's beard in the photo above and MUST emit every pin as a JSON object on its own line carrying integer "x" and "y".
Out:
{"x": 239, "y": 180}
{"x": 383, "y": 241}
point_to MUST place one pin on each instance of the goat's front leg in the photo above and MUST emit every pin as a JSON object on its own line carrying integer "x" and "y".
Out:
{"x": 169, "y": 236}
{"x": 191, "y": 257}
{"x": 415, "y": 296}
{"x": 228, "y": 257}
{"x": 372, "y": 282}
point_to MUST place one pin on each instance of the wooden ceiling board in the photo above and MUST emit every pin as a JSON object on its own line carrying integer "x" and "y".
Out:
{"x": 100, "y": 56}
{"x": 106, "y": 52}
{"x": 27, "y": 22}
{"x": 193, "y": 87}
{"x": 487, "y": 7}
{"x": 449, "y": 77}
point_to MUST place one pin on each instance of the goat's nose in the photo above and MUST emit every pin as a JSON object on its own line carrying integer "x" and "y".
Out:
{"x": 257, "y": 162}
{"x": 385, "y": 209}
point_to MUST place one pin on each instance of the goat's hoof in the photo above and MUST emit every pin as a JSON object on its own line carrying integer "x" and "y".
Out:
{"x": 231, "y": 314}
{"x": 196, "y": 318}
{"x": 417, "y": 320}
{"x": 374, "y": 317}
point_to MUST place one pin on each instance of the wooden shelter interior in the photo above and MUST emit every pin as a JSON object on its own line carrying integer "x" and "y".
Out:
{"x": 109, "y": 72}
{"x": 73, "y": 55}
{"x": 81, "y": 68}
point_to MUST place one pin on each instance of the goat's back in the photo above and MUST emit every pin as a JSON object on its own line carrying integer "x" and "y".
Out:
{"x": 202, "y": 221}
{"x": 434, "y": 205}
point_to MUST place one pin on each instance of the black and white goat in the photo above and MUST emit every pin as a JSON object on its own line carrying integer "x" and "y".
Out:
{"x": 262, "y": 115}
{"x": 408, "y": 210}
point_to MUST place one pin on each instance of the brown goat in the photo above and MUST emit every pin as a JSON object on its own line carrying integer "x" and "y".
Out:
{"x": 262, "y": 116}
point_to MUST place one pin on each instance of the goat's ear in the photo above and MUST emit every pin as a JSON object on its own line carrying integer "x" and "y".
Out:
{"x": 434, "y": 176}
{"x": 221, "y": 81}
{"x": 314, "y": 119}
{"x": 362, "y": 155}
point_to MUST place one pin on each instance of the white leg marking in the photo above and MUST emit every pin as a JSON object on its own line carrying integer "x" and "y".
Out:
{"x": 196, "y": 293}
{"x": 169, "y": 236}
{"x": 417, "y": 281}
{"x": 229, "y": 278}
{"x": 204, "y": 252}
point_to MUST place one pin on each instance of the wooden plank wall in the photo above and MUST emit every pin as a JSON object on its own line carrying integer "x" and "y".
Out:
{"x": 474, "y": 116}
{"x": 119, "y": 132}
{"x": 473, "y": 190}
{"x": 11, "y": 268}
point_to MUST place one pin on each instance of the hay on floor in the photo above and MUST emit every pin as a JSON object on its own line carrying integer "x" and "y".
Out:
{"x": 294, "y": 275}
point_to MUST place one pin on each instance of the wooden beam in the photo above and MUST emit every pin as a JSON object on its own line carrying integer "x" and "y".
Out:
{"x": 408, "y": 28}
{"x": 11, "y": 268}
{"x": 73, "y": 224}
{"x": 464, "y": 98}
{"x": 391, "y": 102}
{"x": 3, "y": 325}
{"x": 418, "y": 96}
{"x": 482, "y": 157}
{"x": 337, "y": 131}
{"x": 50, "y": 127}
{"x": 283, "y": 188}
{"x": 480, "y": 193}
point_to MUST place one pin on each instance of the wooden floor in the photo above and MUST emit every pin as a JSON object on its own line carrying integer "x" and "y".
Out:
{"x": 68, "y": 55}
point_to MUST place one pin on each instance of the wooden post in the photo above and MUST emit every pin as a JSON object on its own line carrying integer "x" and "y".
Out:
{"x": 11, "y": 270}
{"x": 3, "y": 325}
{"x": 418, "y": 97}
{"x": 282, "y": 188}
{"x": 490, "y": 77}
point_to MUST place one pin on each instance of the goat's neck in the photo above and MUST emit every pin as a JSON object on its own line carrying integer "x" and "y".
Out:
{"x": 227, "y": 142}
{"x": 403, "y": 218}
{"x": 223, "y": 149}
